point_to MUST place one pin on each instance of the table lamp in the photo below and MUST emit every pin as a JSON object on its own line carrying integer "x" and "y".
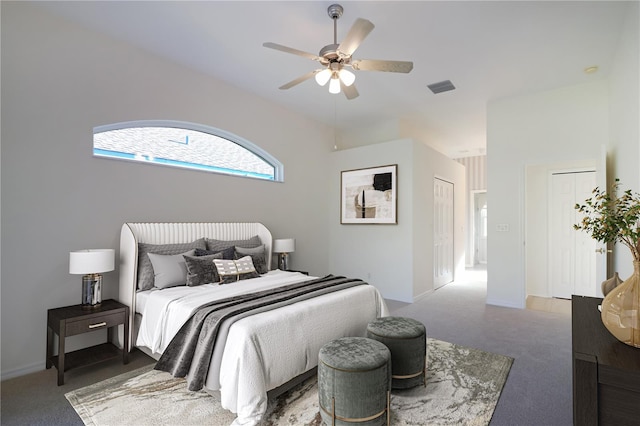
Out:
{"x": 283, "y": 247}
{"x": 91, "y": 263}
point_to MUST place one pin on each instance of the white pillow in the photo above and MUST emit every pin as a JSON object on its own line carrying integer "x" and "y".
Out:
{"x": 169, "y": 270}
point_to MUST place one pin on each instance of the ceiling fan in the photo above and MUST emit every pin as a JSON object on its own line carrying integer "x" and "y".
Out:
{"x": 335, "y": 58}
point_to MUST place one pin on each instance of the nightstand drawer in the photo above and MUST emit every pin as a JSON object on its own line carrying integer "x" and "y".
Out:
{"x": 95, "y": 323}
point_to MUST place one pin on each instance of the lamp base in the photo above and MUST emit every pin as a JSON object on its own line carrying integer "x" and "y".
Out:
{"x": 283, "y": 261}
{"x": 91, "y": 291}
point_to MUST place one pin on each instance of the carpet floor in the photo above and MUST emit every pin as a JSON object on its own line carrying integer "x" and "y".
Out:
{"x": 463, "y": 388}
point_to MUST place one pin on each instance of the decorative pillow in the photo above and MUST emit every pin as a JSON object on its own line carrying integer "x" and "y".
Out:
{"x": 201, "y": 269}
{"x": 258, "y": 256}
{"x": 228, "y": 253}
{"x": 231, "y": 271}
{"x": 219, "y": 245}
{"x": 145, "y": 269}
{"x": 169, "y": 270}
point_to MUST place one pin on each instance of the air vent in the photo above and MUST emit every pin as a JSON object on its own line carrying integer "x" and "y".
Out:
{"x": 443, "y": 86}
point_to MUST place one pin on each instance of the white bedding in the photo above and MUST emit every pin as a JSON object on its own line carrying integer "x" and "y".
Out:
{"x": 265, "y": 350}
{"x": 167, "y": 310}
{"x": 141, "y": 299}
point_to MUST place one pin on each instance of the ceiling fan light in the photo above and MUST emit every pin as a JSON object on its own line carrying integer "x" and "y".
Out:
{"x": 347, "y": 77}
{"x": 323, "y": 76}
{"x": 334, "y": 86}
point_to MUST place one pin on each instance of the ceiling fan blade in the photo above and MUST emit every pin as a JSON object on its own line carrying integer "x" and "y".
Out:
{"x": 291, "y": 50}
{"x": 358, "y": 32}
{"x": 349, "y": 91}
{"x": 380, "y": 65}
{"x": 299, "y": 80}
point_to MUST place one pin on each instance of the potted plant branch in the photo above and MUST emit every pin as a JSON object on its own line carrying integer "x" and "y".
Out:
{"x": 610, "y": 218}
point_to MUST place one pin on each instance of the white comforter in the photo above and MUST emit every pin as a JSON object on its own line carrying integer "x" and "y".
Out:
{"x": 265, "y": 350}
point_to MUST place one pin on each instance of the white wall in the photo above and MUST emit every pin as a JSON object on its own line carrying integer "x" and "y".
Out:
{"x": 558, "y": 128}
{"x": 625, "y": 122}
{"x": 567, "y": 124}
{"x": 397, "y": 259}
{"x": 58, "y": 82}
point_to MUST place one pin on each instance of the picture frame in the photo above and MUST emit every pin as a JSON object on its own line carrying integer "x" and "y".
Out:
{"x": 369, "y": 195}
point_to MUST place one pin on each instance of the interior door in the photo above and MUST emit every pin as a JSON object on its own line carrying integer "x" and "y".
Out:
{"x": 572, "y": 255}
{"x": 442, "y": 232}
{"x": 480, "y": 227}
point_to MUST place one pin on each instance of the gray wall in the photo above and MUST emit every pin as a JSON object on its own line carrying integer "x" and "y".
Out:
{"x": 58, "y": 82}
{"x": 368, "y": 251}
{"x": 430, "y": 164}
{"x": 397, "y": 259}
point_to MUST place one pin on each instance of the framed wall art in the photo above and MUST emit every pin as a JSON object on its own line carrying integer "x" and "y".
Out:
{"x": 369, "y": 196}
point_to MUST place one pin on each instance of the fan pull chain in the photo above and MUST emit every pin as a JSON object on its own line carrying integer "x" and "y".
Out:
{"x": 335, "y": 127}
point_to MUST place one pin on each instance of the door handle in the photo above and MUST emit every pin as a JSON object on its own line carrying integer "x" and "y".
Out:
{"x": 602, "y": 251}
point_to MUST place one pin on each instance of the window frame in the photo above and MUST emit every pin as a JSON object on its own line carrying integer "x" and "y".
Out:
{"x": 278, "y": 168}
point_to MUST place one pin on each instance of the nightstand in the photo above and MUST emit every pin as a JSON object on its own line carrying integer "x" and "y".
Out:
{"x": 73, "y": 320}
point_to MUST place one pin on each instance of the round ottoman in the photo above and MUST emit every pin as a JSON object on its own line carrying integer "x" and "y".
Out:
{"x": 354, "y": 382}
{"x": 406, "y": 338}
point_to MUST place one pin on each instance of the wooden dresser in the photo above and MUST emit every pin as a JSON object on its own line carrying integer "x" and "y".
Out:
{"x": 606, "y": 372}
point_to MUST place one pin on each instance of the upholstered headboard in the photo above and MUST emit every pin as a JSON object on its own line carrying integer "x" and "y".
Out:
{"x": 168, "y": 233}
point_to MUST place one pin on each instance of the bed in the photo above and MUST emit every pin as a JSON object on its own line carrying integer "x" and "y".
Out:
{"x": 255, "y": 353}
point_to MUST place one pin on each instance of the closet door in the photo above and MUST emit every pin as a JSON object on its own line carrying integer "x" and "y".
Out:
{"x": 572, "y": 267}
{"x": 442, "y": 232}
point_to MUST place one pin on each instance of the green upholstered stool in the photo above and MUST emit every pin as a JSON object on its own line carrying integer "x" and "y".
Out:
{"x": 354, "y": 382}
{"x": 406, "y": 338}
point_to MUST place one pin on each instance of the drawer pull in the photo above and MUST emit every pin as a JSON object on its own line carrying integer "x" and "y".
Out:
{"x": 100, "y": 324}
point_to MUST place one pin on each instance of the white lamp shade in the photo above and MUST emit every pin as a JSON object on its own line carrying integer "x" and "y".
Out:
{"x": 323, "y": 76}
{"x": 334, "y": 85}
{"x": 92, "y": 261}
{"x": 347, "y": 77}
{"x": 285, "y": 245}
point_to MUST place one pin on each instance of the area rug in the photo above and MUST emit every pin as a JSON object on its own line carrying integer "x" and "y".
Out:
{"x": 463, "y": 388}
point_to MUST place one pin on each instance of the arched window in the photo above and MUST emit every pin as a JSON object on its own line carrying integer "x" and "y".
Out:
{"x": 185, "y": 145}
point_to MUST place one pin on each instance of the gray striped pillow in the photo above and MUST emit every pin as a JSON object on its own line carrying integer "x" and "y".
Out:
{"x": 219, "y": 245}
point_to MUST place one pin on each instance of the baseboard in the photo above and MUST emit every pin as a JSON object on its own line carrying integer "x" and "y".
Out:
{"x": 546, "y": 296}
{"x": 505, "y": 303}
{"x": 421, "y": 296}
{"x": 23, "y": 371}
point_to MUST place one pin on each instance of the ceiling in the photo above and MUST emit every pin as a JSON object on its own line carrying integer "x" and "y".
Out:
{"x": 488, "y": 50}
